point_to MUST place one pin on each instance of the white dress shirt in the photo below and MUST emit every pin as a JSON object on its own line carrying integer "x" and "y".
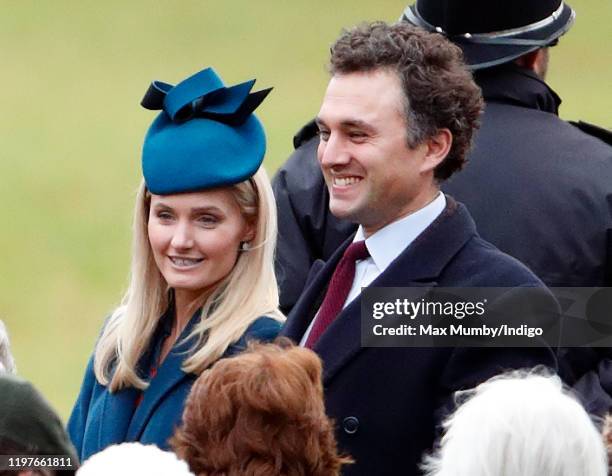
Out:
{"x": 385, "y": 245}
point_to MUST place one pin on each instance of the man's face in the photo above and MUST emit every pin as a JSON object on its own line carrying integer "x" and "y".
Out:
{"x": 373, "y": 177}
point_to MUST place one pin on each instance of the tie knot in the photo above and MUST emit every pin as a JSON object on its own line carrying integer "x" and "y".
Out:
{"x": 356, "y": 251}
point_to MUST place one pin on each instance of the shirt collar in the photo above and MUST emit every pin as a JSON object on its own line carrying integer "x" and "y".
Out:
{"x": 387, "y": 243}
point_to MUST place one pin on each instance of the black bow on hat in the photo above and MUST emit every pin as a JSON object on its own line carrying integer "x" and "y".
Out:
{"x": 204, "y": 95}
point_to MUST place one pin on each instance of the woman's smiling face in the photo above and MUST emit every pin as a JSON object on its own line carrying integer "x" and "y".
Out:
{"x": 195, "y": 238}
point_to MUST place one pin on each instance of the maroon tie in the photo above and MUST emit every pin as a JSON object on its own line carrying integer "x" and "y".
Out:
{"x": 338, "y": 290}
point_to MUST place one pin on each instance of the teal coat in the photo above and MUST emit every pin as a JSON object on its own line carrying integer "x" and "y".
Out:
{"x": 101, "y": 418}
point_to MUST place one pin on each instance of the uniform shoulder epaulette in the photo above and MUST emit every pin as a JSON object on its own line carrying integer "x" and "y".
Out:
{"x": 305, "y": 134}
{"x": 593, "y": 130}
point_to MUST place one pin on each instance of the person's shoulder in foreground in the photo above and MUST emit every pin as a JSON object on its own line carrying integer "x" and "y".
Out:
{"x": 473, "y": 261}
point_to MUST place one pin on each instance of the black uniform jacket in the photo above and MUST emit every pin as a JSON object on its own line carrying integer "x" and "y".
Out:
{"x": 387, "y": 401}
{"x": 539, "y": 188}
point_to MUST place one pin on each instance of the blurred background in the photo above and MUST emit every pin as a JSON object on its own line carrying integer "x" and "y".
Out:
{"x": 73, "y": 74}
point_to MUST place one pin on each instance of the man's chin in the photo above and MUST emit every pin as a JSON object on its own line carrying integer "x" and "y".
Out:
{"x": 342, "y": 212}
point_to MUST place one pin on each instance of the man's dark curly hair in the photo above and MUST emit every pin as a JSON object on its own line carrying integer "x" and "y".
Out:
{"x": 439, "y": 90}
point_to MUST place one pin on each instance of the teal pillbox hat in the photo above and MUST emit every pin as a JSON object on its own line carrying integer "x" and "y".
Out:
{"x": 205, "y": 137}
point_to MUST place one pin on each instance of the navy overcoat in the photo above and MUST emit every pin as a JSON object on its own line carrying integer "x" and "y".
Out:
{"x": 387, "y": 402}
{"x": 101, "y": 418}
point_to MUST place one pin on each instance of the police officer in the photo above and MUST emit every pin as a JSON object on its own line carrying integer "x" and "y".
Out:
{"x": 538, "y": 187}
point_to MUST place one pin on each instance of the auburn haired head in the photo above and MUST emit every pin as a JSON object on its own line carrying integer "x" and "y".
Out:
{"x": 259, "y": 413}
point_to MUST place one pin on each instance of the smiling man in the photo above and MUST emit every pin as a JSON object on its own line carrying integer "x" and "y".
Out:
{"x": 375, "y": 169}
{"x": 396, "y": 120}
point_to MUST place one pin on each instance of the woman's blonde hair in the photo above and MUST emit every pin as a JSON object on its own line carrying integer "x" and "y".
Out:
{"x": 248, "y": 292}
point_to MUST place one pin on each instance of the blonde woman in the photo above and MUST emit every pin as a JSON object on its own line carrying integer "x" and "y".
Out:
{"x": 202, "y": 281}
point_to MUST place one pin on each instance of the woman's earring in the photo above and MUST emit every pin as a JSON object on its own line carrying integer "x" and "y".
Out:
{"x": 244, "y": 246}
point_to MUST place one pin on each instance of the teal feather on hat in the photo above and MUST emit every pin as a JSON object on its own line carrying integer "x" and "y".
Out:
{"x": 205, "y": 137}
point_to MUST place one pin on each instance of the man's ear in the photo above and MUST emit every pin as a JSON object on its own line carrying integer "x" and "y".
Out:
{"x": 528, "y": 60}
{"x": 536, "y": 61}
{"x": 437, "y": 148}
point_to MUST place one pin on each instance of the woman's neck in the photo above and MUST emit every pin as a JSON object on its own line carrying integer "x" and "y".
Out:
{"x": 185, "y": 304}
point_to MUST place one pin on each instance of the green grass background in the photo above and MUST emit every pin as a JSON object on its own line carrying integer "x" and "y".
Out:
{"x": 71, "y": 128}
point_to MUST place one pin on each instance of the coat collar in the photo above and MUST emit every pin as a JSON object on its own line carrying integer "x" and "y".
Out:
{"x": 419, "y": 265}
{"x": 124, "y": 421}
{"x": 512, "y": 84}
{"x": 169, "y": 375}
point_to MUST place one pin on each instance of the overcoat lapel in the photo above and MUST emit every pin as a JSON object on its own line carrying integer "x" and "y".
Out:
{"x": 418, "y": 265}
{"x": 316, "y": 267}
{"x": 310, "y": 300}
{"x": 168, "y": 376}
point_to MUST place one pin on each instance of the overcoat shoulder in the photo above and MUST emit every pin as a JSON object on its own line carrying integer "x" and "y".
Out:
{"x": 101, "y": 418}
{"x": 387, "y": 402}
